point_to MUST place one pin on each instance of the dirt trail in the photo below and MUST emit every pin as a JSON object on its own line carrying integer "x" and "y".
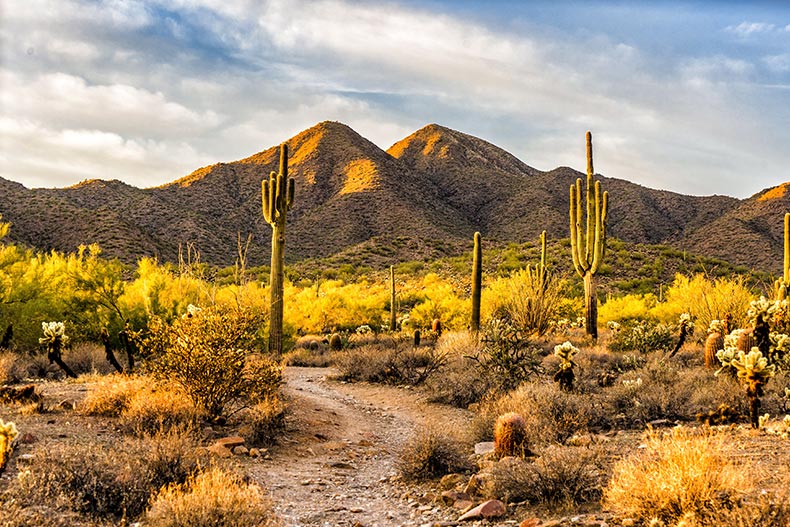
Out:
{"x": 336, "y": 464}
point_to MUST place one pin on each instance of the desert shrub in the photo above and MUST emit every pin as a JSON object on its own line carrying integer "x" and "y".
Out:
{"x": 208, "y": 354}
{"x": 457, "y": 383}
{"x": 160, "y": 407}
{"x": 431, "y": 453}
{"x": 705, "y": 299}
{"x": 529, "y": 302}
{"x": 263, "y": 421}
{"x": 87, "y": 357}
{"x": 401, "y": 365}
{"x": 110, "y": 396}
{"x": 561, "y": 475}
{"x": 643, "y": 336}
{"x": 679, "y": 474}
{"x": 214, "y": 498}
{"x": 628, "y": 307}
{"x": 507, "y": 357}
{"x": 13, "y": 368}
{"x": 306, "y": 357}
{"x": 551, "y": 415}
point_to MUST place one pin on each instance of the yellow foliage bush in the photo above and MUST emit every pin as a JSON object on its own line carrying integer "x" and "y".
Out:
{"x": 440, "y": 301}
{"x": 705, "y": 299}
{"x": 628, "y": 307}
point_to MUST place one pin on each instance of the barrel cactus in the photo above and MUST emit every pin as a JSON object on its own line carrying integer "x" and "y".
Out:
{"x": 510, "y": 436}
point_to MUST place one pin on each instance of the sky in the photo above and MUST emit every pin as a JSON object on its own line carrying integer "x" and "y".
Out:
{"x": 692, "y": 97}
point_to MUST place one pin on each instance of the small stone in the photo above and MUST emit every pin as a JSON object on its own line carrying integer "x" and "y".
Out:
{"x": 449, "y": 497}
{"x": 254, "y": 452}
{"x": 67, "y": 405}
{"x": 208, "y": 432}
{"x": 220, "y": 450}
{"x": 28, "y": 438}
{"x": 463, "y": 505}
{"x": 356, "y": 510}
{"x": 530, "y": 522}
{"x": 240, "y": 450}
{"x": 451, "y": 481}
{"x": 627, "y": 522}
{"x": 305, "y": 482}
{"x": 486, "y": 447}
{"x": 488, "y": 509}
{"x": 26, "y": 458}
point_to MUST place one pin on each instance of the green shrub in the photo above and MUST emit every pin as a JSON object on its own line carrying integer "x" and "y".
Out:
{"x": 643, "y": 336}
{"x": 208, "y": 354}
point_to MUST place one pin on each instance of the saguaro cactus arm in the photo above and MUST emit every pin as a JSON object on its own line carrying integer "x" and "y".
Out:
{"x": 477, "y": 279}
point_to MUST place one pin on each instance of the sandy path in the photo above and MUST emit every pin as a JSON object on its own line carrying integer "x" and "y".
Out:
{"x": 337, "y": 463}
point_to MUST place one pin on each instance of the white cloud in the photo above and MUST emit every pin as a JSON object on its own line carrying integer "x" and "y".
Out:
{"x": 745, "y": 29}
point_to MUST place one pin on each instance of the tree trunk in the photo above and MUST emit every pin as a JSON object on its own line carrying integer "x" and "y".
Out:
{"x": 590, "y": 306}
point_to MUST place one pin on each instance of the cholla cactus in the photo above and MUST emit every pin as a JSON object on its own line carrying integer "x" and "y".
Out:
{"x": 613, "y": 326}
{"x": 754, "y": 372}
{"x": 686, "y": 330}
{"x": 363, "y": 330}
{"x": 192, "y": 310}
{"x": 8, "y": 432}
{"x": 725, "y": 357}
{"x": 55, "y": 338}
{"x": 761, "y": 306}
{"x": 54, "y": 333}
{"x": 780, "y": 345}
{"x": 716, "y": 326}
{"x": 565, "y": 375}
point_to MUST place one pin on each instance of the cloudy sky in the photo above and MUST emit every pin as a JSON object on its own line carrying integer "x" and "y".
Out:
{"x": 686, "y": 96}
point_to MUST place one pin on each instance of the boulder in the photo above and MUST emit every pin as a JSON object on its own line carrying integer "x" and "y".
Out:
{"x": 486, "y": 510}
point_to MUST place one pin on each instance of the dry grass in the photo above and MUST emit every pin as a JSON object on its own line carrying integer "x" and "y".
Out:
{"x": 681, "y": 474}
{"x": 214, "y": 498}
{"x": 87, "y": 357}
{"x": 12, "y": 368}
{"x": 110, "y": 397}
{"x": 560, "y": 476}
{"x": 430, "y": 454}
{"x": 264, "y": 421}
{"x": 142, "y": 405}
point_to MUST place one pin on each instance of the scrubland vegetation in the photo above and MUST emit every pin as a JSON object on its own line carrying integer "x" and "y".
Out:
{"x": 191, "y": 349}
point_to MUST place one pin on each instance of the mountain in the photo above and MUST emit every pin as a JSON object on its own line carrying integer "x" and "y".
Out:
{"x": 422, "y": 198}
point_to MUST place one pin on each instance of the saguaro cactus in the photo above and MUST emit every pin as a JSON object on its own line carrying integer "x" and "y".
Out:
{"x": 588, "y": 248}
{"x": 393, "y": 309}
{"x": 477, "y": 280}
{"x": 538, "y": 273}
{"x": 278, "y": 197}
{"x": 783, "y": 284}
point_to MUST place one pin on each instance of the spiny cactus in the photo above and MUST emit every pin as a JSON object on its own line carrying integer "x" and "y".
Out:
{"x": 436, "y": 327}
{"x": 565, "y": 376}
{"x": 713, "y": 344}
{"x": 55, "y": 338}
{"x": 781, "y": 286}
{"x": 417, "y": 338}
{"x": 277, "y": 197}
{"x": 753, "y": 372}
{"x": 335, "y": 342}
{"x": 477, "y": 280}
{"x": 8, "y": 432}
{"x": 588, "y": 248}
{"x": 393, "y": 308}
{"x": 510, "y": 436}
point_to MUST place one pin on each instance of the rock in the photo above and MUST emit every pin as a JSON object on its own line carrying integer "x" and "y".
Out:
{"x": 240, "y": 450}
{"x": 486, "y": 447}
{"x": 26, "y": 458}
{"x": 451, "y": 481}
{"x": 28, "y": 438}
{"x": 254, "y": 452}
{"x": 657, "y": 423}
{"x": 488, "y": 509}
{"x": 463, "y": 505}
{"x": 219, "y": 450}
{"x": 449, "y": 497}
{"x": 208, "y": 432}
{"x": 530, "y": 522}
{"x": 67, "y": 405}
{"x": 230, "y": 442}
{"x": 473, "y": 487}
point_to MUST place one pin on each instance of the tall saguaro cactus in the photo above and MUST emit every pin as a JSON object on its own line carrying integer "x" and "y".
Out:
{"x": 783, "y": 284}
{"x": 278, "y": 197}
{"x": 588, "y": 247}
{"x": 538, "y": 273}
{"x": 477, "y": 281}
{"x": 393, "y": 309}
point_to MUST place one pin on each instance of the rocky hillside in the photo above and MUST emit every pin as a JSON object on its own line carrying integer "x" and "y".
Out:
{"x": 422, "y": 198}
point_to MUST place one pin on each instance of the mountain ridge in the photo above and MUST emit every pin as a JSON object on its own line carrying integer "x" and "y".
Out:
{"x": 421, "y": 198}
